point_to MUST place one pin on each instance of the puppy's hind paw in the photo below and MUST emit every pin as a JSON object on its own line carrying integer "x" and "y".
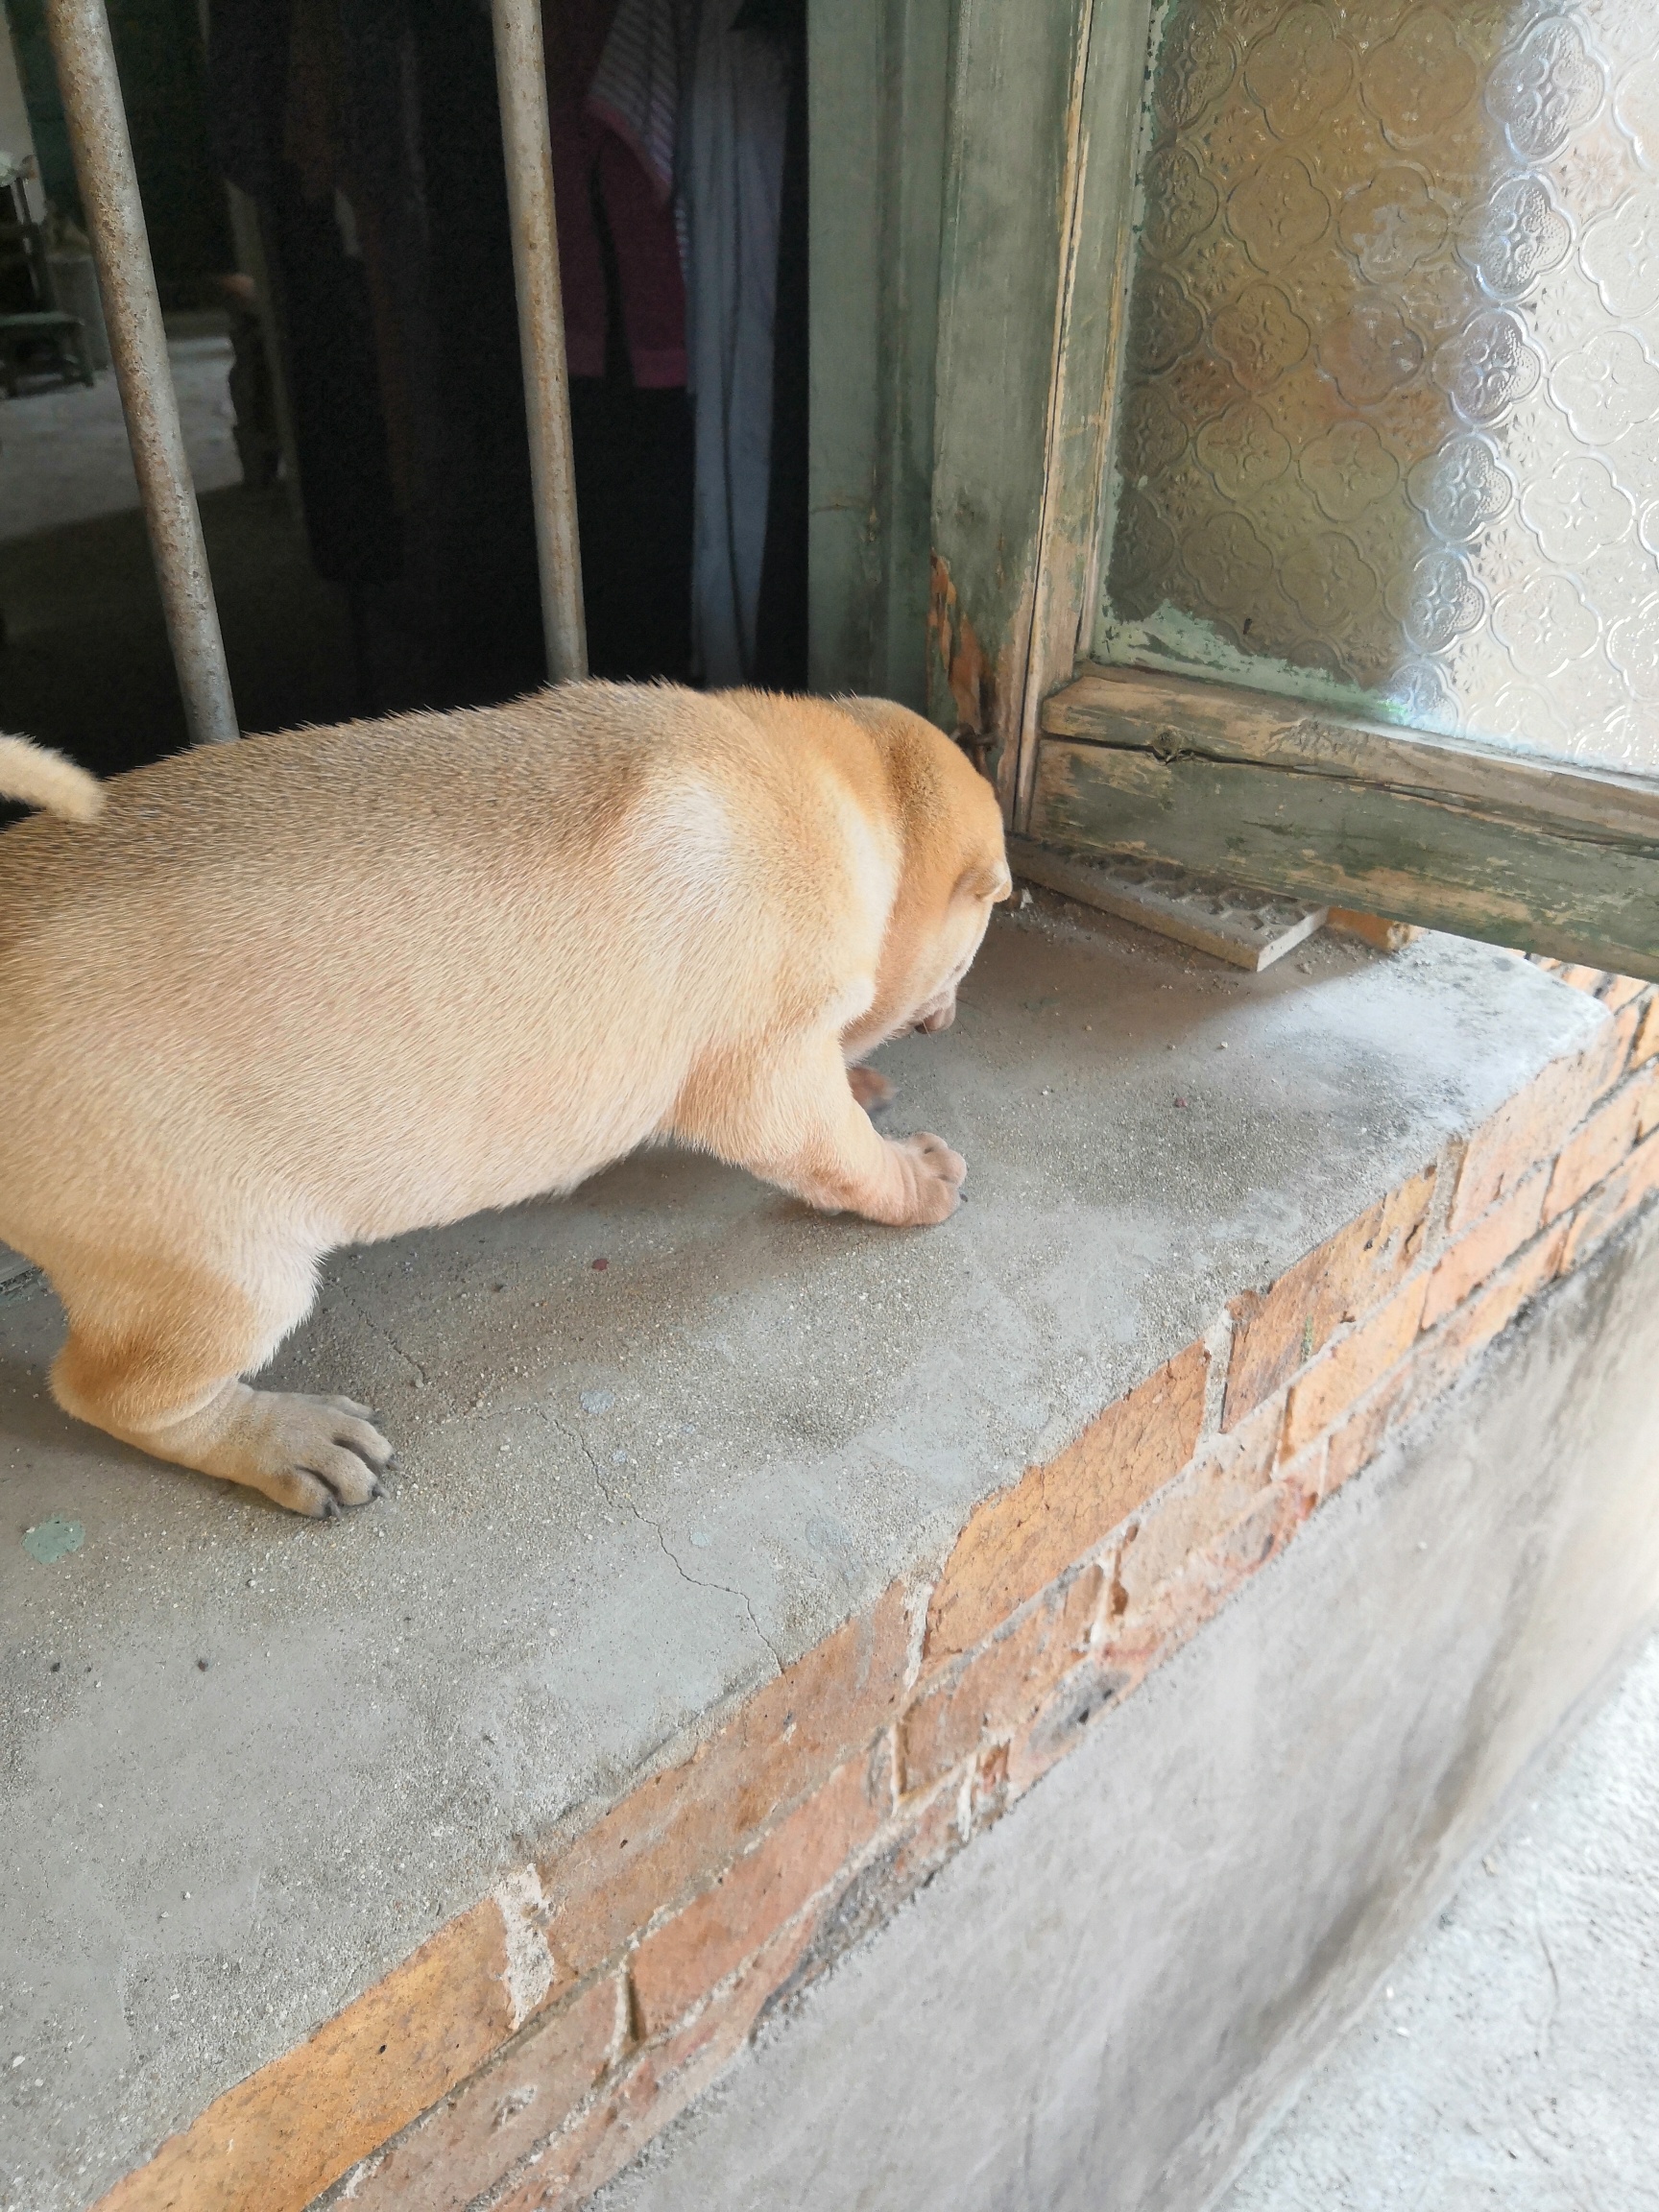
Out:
{"x": 316, "y": 1455}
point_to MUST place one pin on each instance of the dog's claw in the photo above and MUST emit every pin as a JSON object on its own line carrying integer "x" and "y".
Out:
{"x": 327, "y": 1456}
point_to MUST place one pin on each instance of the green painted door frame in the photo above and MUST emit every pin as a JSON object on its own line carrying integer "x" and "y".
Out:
{"x": 972, "y": 164}
{"x": 878, "y": 73}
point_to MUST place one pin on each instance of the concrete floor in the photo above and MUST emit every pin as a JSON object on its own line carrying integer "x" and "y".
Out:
{"x": 63, "y": 451}
{"x": 1511, "y": 2058}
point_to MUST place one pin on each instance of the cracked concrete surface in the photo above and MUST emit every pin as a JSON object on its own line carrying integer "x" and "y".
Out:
{"x": 251, "y": 1761}
{"x": 1511, "y": 2057}
{"x": 612, "y": 1497}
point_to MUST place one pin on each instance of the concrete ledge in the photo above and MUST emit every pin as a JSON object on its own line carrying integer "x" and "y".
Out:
{"x": 399, "y": 1793}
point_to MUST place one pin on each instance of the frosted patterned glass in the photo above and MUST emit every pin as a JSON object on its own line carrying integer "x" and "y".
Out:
{"x": 1389, "y": 433}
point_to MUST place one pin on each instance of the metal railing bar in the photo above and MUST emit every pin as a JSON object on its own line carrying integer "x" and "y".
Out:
{"x": 84, "y": 55}
{"x": 521, "y": 76}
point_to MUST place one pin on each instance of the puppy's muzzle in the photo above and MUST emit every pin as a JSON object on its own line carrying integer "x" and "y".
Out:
{"x": 941, "y": 1017}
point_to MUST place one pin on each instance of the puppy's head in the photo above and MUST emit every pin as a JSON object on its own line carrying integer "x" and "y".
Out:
{"x": 954, "y": 870}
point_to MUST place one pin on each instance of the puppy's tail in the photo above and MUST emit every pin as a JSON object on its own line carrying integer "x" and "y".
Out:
{"x": 41, "y": 777}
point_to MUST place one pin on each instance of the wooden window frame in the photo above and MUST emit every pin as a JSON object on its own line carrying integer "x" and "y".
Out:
{"x": 975, "y": 419}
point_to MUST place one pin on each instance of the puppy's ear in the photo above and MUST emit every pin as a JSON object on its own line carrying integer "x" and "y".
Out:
{"x": 985, "y": 880}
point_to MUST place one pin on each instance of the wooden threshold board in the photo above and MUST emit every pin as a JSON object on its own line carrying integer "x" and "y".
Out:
{"x": 1249, "y": 929}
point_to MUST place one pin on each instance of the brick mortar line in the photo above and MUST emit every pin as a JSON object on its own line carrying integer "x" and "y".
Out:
{"x": 898, "y": 1825}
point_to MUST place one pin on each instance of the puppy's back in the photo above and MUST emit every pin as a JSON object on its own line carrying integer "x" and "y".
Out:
{"x": 428, "y": 935}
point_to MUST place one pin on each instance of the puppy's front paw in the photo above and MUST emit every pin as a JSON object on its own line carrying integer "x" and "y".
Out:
{"x": 934, "y": 1176}
{"x": 313, "y": 1455}
{"x": 873, "y": 1092}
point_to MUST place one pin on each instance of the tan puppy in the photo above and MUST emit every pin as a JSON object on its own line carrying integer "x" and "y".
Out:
{"x": 309, "y": 990}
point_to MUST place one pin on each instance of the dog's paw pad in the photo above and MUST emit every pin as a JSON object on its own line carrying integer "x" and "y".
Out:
{"x": 936, "y": 1176}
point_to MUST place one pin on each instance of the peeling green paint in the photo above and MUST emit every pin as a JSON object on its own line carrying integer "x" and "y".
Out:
{"x": 1111, "y": 484}
{"x": 50, "y": 1541}
{"x": 1332, "y": 840}
{"x": 1184, "y": 644}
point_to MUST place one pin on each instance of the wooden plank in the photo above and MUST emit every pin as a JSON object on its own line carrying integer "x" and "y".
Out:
{"x": 1180, "y": 716}
{"x": 1016, "y": 79}
{"x": 19, "y": 1278}
{"x": 1247, "y": 929}
{"x": 1332, "y": 839}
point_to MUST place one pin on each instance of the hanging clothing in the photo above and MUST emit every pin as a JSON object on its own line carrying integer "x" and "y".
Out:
{"x": 368, "y": 131}
{"x": 612, "y": 96}
{"x": 635, "y": 87}
{"x": 260, "y": 74}
{"x": 613, "y": 92}
{"x": 588, "y": 156}
{"x": 780, "y": 620}
{"x": 731, "y": 170}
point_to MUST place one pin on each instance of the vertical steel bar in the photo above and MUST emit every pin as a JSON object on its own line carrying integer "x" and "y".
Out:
{"x": 98, "y": 139}
{"x": 521, "y": 79}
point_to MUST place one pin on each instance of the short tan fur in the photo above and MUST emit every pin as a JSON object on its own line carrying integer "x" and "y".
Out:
{"x": 263, "y": 999}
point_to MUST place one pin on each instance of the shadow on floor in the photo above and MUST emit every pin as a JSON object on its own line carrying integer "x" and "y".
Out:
{"x": 85, "y": 664}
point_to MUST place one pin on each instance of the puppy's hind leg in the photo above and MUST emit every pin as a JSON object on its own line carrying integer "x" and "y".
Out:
{"x": 793, "y": 1119}
{"x": 156, "y": 1354}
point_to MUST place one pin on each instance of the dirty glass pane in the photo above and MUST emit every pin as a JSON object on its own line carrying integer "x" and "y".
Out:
{"x": 1389, "y": 433}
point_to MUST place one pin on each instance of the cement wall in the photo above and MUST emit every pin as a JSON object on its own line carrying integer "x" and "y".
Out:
{"x": 1097, "y": 2008}
{"x": 1507, "y": 2060}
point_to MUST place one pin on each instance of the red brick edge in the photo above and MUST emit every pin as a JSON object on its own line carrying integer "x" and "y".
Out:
{"x": 533, "y": 2045}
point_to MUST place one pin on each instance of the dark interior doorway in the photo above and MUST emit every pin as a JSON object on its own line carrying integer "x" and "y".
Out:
{"x": 377, "y": 550}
